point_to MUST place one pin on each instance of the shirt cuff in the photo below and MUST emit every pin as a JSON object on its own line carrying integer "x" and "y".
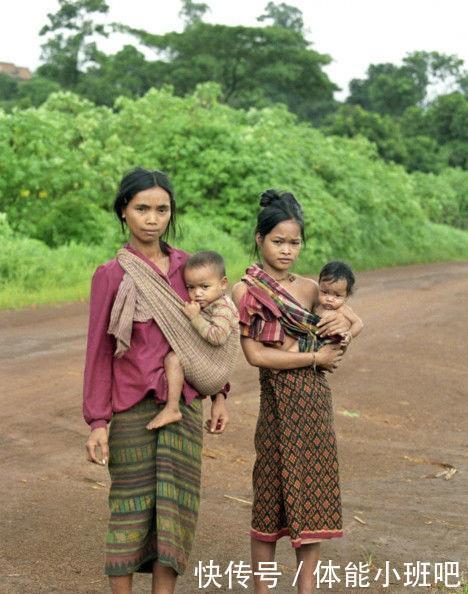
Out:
{"x": 97, "y": 424}
{"x": 224, "y": 391}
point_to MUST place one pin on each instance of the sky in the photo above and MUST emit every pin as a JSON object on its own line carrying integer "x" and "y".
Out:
{"x": 355, "y": 33}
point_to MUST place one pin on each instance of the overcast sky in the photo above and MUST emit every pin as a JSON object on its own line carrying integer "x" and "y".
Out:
{"x": 355, "y": 33}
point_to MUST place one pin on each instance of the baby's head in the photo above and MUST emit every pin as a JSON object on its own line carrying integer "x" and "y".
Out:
{"x": 205, "y": 277}
{"x": 336, "y": 281}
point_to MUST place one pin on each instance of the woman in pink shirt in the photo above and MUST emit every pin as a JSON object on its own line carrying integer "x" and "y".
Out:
{"x": 155, "y": 488}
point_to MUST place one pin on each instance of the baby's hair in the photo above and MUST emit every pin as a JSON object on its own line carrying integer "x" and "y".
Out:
{"x": 337, "y": 270}
{"x": 207, "y": 258}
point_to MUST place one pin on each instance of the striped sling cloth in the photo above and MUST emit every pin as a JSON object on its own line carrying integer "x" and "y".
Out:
{"x": 144, "y": 295}
{"x": 290, "y": 317}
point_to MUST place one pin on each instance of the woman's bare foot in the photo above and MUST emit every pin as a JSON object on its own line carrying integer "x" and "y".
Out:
{"x": 166, "y": 416}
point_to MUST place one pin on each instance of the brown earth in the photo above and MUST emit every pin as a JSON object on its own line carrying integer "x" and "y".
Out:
{"x": 403, "y": 380}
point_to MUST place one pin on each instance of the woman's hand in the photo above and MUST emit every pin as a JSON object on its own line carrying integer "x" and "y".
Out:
{"x": 333, "y": 322}
{"x": 329, "y": 356}
{"x": 346, "y": 338}
{"x": 97, "y": 447}
{"x": 219, "y": 415}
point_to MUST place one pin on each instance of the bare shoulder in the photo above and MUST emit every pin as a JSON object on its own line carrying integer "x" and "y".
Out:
{"x": 238, "y": 291}
{"x": 308, "y": 289}
{"x": 308, "y": 283}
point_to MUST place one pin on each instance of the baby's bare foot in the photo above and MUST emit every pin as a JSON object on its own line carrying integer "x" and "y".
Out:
{"x": 166, "y": 416}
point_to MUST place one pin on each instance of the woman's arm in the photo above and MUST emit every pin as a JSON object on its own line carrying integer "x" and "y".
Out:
{"x": 259, "y": 355}
{"x": 219, "y": 415}
{"x": 97, "y": 385}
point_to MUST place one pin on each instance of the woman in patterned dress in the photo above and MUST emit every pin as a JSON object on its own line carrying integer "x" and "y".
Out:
{"x": 295, "y": 476}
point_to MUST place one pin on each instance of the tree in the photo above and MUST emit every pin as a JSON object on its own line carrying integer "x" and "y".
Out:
{"x": 69, "y": 49}
{"x": 23, "y": 94}
{"x": 35, "y": 91}
{"x": 390, "y": 89}
{"x": 193, "y": 12}
{"x": 410, "y": 146}
{"x": 126, "y": 73}
{"x": 440, "y": 74}
{"x": 255, "y": 66}
{"x": 283, "y": 15}
{"x": 8, "y": 87}
{"x": 447, "y": 121}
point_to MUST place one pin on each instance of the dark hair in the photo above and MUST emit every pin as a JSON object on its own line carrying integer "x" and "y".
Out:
{"x": 278, "y": 207}
{"x": 138, "y": 180}
{"x": 207, "y": 258}
{"x": 337, "y": 270}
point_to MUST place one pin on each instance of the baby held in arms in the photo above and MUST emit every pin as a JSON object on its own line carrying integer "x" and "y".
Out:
{"x": 335, "y": 283}
{"x": 212, "y": 314}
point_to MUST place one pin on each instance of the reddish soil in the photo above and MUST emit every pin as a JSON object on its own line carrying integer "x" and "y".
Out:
{"x": 400, "y": 409}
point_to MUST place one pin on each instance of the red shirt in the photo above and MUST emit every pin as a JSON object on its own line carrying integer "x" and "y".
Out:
{"x": 113, "y": 385}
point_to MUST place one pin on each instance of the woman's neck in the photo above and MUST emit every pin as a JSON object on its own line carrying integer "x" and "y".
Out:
{"x": 152, "y": 251}
{"x": 278, "y": 275}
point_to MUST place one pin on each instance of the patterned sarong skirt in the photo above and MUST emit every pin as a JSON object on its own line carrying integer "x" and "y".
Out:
{"x": 295, "y": 476}
{"x": 155, "y": 489}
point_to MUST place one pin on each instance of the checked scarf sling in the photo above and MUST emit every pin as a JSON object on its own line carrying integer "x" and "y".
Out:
{"x": 144, "y": 295}
{"x": 296, "y": 321}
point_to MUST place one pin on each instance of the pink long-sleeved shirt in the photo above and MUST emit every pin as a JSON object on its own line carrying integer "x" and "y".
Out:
{"x": 114, "y": 385}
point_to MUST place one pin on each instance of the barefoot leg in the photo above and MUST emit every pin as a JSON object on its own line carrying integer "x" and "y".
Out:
{"x": 121, "y": 584}
{"x": 308, "y": 555}
{"x": 261, "y": 552}
{"x": 164, "y": 579}
{"x": 175, "y": 380}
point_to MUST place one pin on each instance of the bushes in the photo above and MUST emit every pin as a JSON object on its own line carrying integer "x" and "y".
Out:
{"x": 32, "y": 272}
{"x": 61, "y": 164}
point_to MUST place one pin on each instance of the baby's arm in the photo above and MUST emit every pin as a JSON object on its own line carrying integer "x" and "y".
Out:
{"x": 217, "y": 329}
{"x": 356, "y": 323}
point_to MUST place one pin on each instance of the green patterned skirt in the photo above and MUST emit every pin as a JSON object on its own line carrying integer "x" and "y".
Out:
{"x": 155, "y": 489}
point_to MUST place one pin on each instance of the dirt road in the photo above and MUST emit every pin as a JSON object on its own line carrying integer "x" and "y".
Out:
{"x": 400, "y": 404}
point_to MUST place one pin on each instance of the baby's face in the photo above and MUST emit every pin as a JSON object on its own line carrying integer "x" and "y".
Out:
{"x": 333, "y": 294}
{"x": 204, "y": 284}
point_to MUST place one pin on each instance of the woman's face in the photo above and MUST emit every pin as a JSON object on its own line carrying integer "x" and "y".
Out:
{"x": 280, "y": 248}
{"x": 148, "y": 214}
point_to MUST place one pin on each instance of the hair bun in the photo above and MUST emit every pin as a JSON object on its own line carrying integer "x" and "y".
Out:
{"x": 268, "y": 197}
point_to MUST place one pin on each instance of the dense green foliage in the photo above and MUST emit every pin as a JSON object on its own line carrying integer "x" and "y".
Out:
{"x": 393, "y": 107}
{"x": 62, "y": 161}
{"x": 24, "y": 94}
{"x": 255, "y": 66}
{"x": 422, "y": 139}
{"x": 415, "y": 112}
{"x": 391, "y": 89}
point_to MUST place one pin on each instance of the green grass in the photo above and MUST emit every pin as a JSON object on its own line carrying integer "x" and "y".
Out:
{"x": 14, "y": 296}
{"x": 32, "y": 273}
